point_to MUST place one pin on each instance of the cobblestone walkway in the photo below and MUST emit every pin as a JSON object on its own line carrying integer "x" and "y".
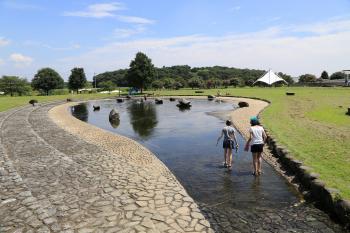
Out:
{"x": 52, "y": 181}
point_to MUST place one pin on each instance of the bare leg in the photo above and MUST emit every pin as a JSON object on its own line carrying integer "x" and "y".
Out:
{"x": 259, "y": 158}
{"x": 255, "y": 163}
{"x": 229, "y": 157}
{"x": 225, "y": 159}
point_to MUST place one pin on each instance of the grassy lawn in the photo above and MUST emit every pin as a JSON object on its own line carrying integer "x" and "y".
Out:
{"x": 7, "y": 102}
{"x": 311, "y": 124}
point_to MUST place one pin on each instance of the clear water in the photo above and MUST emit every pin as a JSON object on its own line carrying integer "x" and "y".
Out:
{"x": 186, "y": 142}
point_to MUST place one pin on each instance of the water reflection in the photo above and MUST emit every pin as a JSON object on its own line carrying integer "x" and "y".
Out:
{"x": 114, "y": 122}
{"x": 80, "y": 111}
{"x": 143, "y": 118}
{"x": 184, "y": 108}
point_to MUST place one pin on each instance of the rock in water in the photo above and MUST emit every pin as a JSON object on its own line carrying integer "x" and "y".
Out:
{"x": 96, "y": 107}
{"x": 184, "y": 103}
{"x": 113, "y": 114}
{"x": 243, "y": 104}
{"x": 159, "y": 101}
{"x": 211, "y": 97}
{"x": 120, "y": 100}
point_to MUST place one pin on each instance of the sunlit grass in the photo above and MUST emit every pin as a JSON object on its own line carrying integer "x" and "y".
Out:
{"x": 7, "y": 102}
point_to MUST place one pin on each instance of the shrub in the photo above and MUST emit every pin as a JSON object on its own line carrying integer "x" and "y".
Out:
{"x": 33, "y": 102}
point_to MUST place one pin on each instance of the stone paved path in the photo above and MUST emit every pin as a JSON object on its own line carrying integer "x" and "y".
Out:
{"x": 52, "y": 181}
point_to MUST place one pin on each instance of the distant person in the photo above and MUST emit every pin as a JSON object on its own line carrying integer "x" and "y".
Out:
{"x": 229, "y": 143}
{"x": 257, "y": 138}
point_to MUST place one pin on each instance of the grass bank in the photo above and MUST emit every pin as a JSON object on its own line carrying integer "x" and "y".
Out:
{"x": 312, "y": 124}
{"x": 7, "y": 102}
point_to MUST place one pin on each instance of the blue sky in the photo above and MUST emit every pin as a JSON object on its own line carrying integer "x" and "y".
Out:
{"x": 294, "y": 37}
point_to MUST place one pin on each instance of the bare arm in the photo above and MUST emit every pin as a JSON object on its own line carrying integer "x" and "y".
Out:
{"x": 219, "y": 138}
{"x": 234, "y": 138}
{"x": 264, "y": 136}
{"x": 248, "y": 142}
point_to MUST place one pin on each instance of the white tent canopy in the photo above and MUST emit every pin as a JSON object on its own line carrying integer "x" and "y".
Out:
{"x": 269, "y": 78}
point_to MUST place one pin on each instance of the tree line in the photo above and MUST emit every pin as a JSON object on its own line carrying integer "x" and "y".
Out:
{"x": 44, "y": 81}
{"x": 142, "y": 74}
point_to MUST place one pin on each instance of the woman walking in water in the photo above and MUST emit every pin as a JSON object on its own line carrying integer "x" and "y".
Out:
{"x": 257, "y": 138}
{"x": 230, "y": 142}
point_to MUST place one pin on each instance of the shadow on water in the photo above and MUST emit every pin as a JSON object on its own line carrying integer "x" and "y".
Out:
{"x": 81, "y": 112}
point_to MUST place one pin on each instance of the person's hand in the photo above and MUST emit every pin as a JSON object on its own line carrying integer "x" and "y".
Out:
{"x": 246, "y": 148}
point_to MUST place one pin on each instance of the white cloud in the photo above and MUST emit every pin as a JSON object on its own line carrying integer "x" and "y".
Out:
{"x": 71, "y": 47}
{"x": 134, "y": 19}
{"x": 104, "y": 10}
{"x": 128, "y": 32}
{"x": 235, "y": 8}
{"x": 3, "y": 41}
{"x": 20, "y": 60}
{"x": 32, "y": 43}
{"x": 332, "y": 26}
{"x": 270, "y": 48}
{"x": 100, "y": 10}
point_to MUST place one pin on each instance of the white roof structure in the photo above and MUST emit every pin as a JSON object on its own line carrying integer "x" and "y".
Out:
{"x": 269, "y": 78}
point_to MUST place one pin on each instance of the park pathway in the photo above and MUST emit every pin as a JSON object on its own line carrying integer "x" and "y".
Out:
{"x": 52, "y": 181}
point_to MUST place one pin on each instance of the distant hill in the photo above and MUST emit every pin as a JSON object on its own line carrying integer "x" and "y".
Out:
{"x": 182, "y": 74}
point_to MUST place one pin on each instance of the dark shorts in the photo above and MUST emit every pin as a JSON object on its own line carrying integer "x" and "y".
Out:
{"x": 257, "y": 148}
{"x": 228, "y": 144}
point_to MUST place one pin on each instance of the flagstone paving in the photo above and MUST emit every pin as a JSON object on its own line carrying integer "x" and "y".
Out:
{"x": 52, "y": 181}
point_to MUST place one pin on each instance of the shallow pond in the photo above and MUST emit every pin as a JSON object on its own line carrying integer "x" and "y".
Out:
{"x": 186, "y": 142}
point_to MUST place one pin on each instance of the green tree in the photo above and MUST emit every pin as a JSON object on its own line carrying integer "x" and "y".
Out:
{"x": 249, "y": 82}
{"x": 168, "y": 83}
{"x": 226, "y": 83}
{"x": 203, "y": 74}
{"x": 286, "y": 78}
{"x": 338, "y": 75}
{"x": 307, "y": 78}
{"x": 324, "y": 75}
{"x": 195, "y": 82}
{"x": 14, "y": 85}
{"x": 177, "y": 85}
{"x": 209, "y": 83}
{"x": 77, "y": 79}
{"x": 107, "y": 85}
{"x": 234, "y": 82}
{"x": 141, "y": 71}
{"x": 157, "y": 84}
{"x": 47, "y": 79}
